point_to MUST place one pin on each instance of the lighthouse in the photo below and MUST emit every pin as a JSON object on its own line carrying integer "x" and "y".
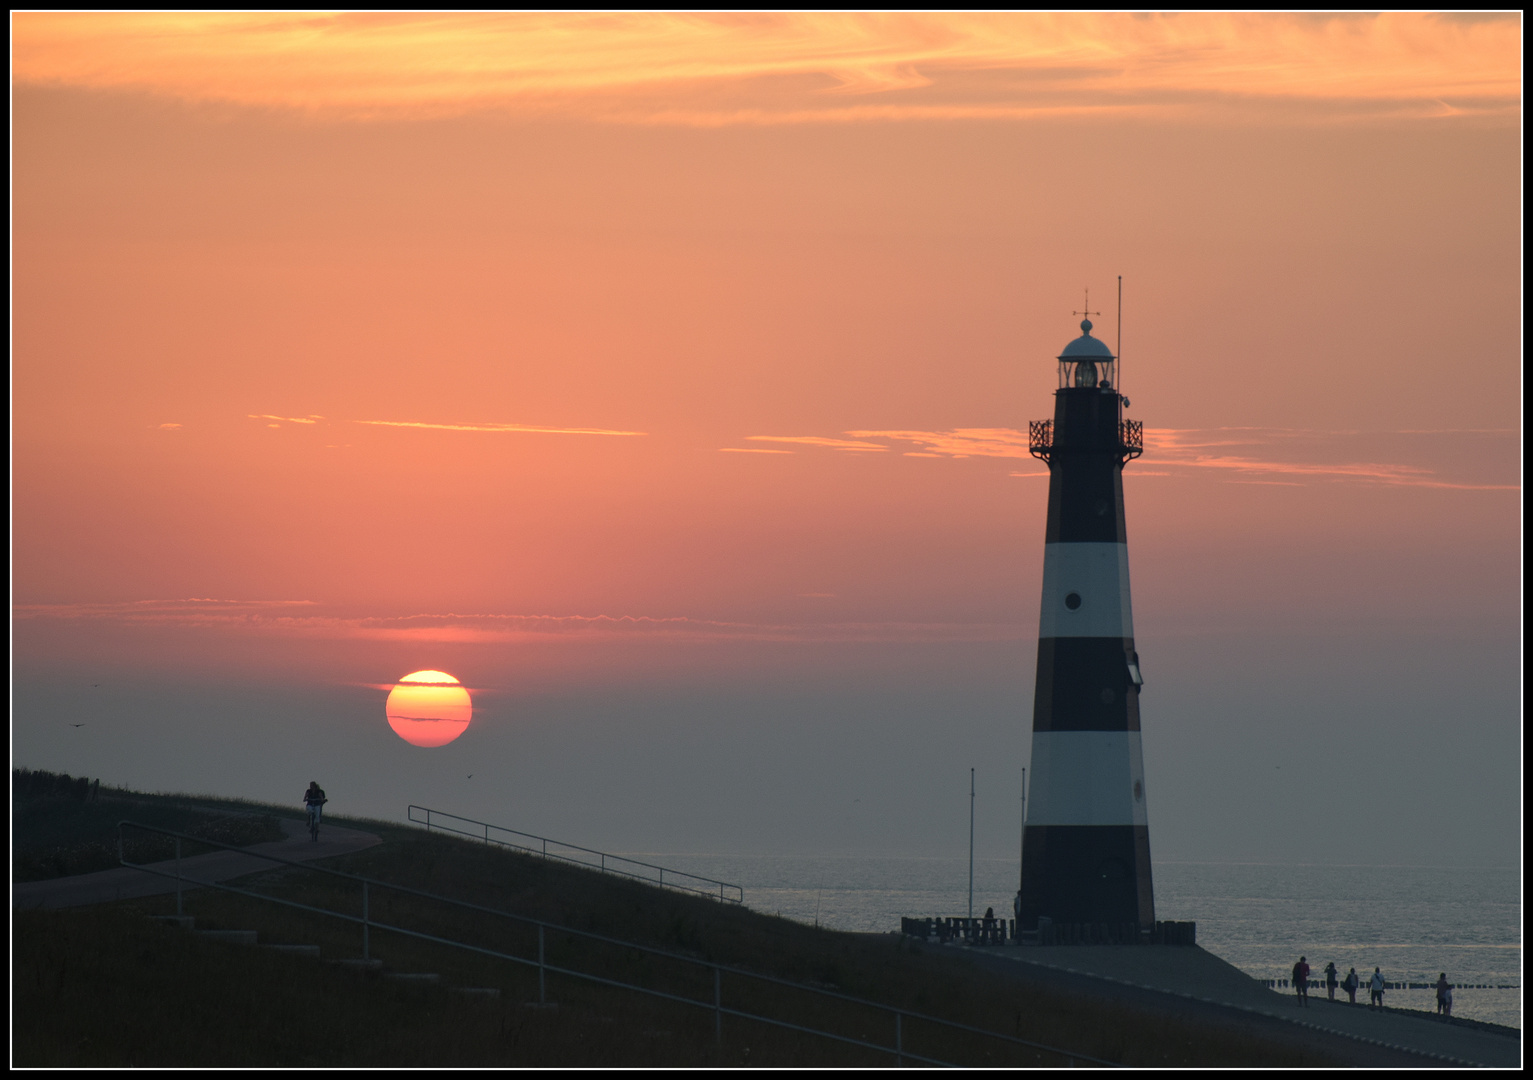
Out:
{"x": 1086, "y": 836}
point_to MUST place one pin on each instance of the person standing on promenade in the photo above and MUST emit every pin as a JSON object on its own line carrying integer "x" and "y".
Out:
{"x": 1349, "y": 984}
{"x": 1301, "y": 981}
{"x": 1330, "y": 980}
{"x": 1444, "y": 994}
{"x": 1376, "y": 990}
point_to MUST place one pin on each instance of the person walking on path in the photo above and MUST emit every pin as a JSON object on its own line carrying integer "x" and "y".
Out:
{"x": 1376, "y": 990}
{"x": 1349, "y": 984}
{"x": 1330, "y": 980}
{"x": 1301, "y": 981}
{"x": 1444, "y": 995}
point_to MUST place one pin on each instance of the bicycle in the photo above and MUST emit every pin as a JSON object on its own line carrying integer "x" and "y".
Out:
{"x": 313, "y": 809}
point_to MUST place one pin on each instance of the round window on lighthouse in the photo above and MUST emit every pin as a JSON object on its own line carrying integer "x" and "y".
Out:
{"x": 1073, "y": 600}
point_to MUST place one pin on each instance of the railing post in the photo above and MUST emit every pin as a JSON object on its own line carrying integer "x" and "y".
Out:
{"x": 365, "y": 924}
{"x": 486, "y": 834}
{"x": 899, "y": 1041}
{"x": 542, "y": 987}
{"x": 718, "y": 1009}
{"x": 178, "y": 877}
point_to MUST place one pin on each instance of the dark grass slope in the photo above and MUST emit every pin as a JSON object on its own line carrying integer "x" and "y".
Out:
{"x": 108, "y": 987}
{"x": 61, "y": 826}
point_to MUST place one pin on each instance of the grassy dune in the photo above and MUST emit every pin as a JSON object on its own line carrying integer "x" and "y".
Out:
{"x": 106, "y": 986}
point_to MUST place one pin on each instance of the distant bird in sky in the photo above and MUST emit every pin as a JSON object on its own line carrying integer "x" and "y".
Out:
{"x": 470, "y": 776}
{"x": 76, "y": 725}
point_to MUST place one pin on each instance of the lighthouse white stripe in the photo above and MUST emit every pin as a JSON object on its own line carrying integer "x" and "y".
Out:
{"x": 1086, "y": 778}
{"x": 1098, "y": 574}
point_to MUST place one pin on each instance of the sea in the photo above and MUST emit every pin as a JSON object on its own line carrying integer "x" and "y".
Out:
{"x": 1411, "y": 922}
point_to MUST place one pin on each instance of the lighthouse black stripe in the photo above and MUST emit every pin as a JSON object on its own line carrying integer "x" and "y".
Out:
{"x": 1085, "y": 499}
{"x": 1084, "y": 685}
{"x": 1085, "y": 470}
{"x": 1086, "y": 874}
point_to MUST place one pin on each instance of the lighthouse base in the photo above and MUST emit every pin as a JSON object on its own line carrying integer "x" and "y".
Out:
{"x": 1086, "y": 874}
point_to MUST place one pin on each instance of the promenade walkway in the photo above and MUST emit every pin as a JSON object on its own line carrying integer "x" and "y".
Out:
{"x": 1202, "y": 979}
{"x": 124, "y": 883}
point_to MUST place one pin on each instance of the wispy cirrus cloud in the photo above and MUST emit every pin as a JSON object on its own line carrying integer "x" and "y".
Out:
{"x": 821, "y": 440}
{"x": 269, "y": 619}
{"x": 1454, "y": 459}
{"x": 527, "y": 429}
{"x": 958, "y": 443}
{"x": 189, "y": 608}
{"x": 794, "y": 67}
{"x": 1296, "y": 455}
{"x": 278, "y": 421}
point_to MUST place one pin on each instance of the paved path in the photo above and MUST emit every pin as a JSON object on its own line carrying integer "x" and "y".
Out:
{"x": 124, "y": 883}
{"x": 1200, "y": 979}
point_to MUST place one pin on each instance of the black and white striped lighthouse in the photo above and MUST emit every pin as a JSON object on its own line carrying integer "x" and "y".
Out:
{"x": 1086, "y": 838}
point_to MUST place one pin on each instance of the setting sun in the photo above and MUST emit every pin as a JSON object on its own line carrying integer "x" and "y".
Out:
{"x": 428, "y": 708}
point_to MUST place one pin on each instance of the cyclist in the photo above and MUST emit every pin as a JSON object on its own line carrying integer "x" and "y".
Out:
{"x": 313, "y": 799}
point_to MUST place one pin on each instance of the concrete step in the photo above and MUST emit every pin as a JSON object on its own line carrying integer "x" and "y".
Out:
{"x": 413, "y": 976}
{"x": 233, "y": 937}
{"x": 477, "y": 991}
{"x": 366, "y": 965}
{"x": 296, "y": 950}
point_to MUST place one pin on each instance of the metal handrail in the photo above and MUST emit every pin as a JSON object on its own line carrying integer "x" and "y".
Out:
{"x": 719, "y": 1009}
{"x": 602, "y": 856}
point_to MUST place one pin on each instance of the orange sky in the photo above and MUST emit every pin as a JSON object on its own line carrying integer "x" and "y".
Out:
{"x": 555, "y": 350}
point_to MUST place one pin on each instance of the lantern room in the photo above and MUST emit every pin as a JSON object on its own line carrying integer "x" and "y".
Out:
{"x": 1087, "y": 362}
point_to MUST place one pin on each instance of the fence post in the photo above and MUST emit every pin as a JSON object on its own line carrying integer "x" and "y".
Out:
{"x": 718, "y": 1009}
{"x": 364, "y": 922}
{"x": 178, "y": 877}
{"x": 486, "y": 834}
{"x": 899, "y": 1041}
{"x": 542, "y": 990}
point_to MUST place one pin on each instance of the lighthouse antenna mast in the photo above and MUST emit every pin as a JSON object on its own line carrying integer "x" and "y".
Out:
{"x": 1120, "y": 335}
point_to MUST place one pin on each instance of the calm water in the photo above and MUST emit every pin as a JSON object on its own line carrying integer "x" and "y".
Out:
{"x": 1410, "y": 922}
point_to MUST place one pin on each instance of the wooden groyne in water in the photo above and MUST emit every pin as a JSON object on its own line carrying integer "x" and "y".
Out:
{"x": 1319, "y": 984}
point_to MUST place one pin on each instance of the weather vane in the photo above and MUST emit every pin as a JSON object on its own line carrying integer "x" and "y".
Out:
{"x": 1088, "y": 313}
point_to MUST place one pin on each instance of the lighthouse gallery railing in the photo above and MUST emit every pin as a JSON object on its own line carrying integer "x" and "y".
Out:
{"x": 1040, "y": 438}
